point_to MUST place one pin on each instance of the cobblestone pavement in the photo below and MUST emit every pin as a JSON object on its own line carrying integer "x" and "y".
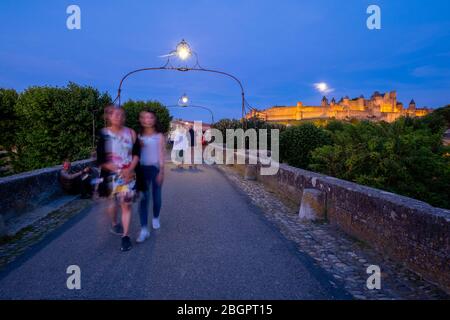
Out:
{"x": 12, "y": 248}
{"x": 345, "y": 258}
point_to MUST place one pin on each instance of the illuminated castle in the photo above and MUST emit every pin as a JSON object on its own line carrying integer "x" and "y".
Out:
{"x": 380, "y": 107}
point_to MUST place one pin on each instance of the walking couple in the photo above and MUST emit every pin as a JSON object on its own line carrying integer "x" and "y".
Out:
{"x": 131, "y": 163}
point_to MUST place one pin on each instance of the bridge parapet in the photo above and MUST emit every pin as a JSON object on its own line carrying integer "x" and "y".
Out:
{"x": 409, "y": 231}
{"x": 24, "y": 192}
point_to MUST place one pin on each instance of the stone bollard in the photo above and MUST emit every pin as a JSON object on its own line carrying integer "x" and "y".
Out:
{"x": 251, "y": 171}
{"x": 312, "y": 206}
{"x": 2, "y": 227}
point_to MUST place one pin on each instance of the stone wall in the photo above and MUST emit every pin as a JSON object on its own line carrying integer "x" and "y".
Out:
{"x": 409, "y": 231}
{"x": 26, "y": 191}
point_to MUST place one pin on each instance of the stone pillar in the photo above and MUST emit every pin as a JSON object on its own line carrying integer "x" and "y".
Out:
{"x": 313, "y": 205}
{"x": 251, "y": 171}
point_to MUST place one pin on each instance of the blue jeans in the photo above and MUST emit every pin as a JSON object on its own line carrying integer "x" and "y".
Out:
{"x": 153, "y": 190}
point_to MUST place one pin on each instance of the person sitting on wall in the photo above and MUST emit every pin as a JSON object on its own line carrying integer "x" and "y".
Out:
{"x": 75, "y": 182}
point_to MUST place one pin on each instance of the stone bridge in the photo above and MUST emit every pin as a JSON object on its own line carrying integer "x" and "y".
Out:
{"x": 294, "y": 235}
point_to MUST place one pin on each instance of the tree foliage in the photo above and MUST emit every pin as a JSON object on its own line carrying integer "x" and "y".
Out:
{"x": 225, "y": 124}
{"x": 297, "y": 143}
{"x": 256, "y": 124}
{"x": 8, "y": 118}
{"x": 55, "y": 123}
{"x": 133, "y": 108}
{"x": 437, "y": 121}
{"x": 405, "y": 157}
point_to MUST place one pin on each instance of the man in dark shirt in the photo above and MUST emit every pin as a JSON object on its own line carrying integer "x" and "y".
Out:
{"x": 75, "y": 182}
{"x": 192, "y": 143}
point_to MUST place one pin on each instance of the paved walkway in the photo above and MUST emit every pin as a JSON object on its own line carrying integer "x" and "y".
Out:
{"x": 213, "y": 244}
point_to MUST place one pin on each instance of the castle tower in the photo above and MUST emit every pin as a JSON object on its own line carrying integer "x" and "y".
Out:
{"x": 361, "y": 102}
{"x": 324, "y": 102}
{"x": 393, "y": 99}
{"x": 298, "y": 111}
{"x": 393, "y": 95}
{"x": 346, "y": 101}
{"x": 376, "y": 94}
{"x": 376, "y": 99}
{"x": 387, "y": 103}
{"x": 412, "y": 105}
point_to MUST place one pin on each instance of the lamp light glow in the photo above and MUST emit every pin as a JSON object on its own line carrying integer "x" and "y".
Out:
{"x": 183, "y": 50}
{"x": 183, "y": 101}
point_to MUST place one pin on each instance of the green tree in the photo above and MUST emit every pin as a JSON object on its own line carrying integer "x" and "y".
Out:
{"x": 401, "y": 157}
{"x": 55, "y": 123}
{"x": 335, "y": 125}
{"x": 225, "y": 124}
{"x": 8, "y": 129}
{"x": 8, "y": 118}
{"x": 255, "y": 124}
{"x": 133, "y": 108}
{"x": 297, "y": 143}
{"x": 437, "y": 121}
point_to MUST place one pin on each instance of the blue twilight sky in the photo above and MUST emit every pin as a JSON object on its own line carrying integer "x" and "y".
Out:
{"x": 279, "y": 49}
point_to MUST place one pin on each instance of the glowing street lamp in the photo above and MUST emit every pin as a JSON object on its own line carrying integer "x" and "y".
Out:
{"x": 183, "y": 50}
{"x": 183, "y": 101}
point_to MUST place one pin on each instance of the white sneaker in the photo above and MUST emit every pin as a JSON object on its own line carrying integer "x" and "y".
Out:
{"x": 143, "y": 235}
{"x": 156, "y": 224}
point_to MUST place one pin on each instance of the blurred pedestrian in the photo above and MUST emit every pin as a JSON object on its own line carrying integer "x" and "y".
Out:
{"x": 117, "y": 156}
{"x": 150, "y": 173}
{"x": 180, "y": 146}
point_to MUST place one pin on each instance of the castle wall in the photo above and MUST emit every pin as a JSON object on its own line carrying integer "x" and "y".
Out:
{"x": 281, "y": 113}
{"x": 379, "y": 107}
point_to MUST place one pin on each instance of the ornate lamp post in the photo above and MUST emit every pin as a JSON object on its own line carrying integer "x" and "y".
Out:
{"x": 183, "y": 102}
{"x": 183, "y": 52}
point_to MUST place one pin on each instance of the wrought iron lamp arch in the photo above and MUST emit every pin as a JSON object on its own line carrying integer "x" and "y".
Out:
{"x": 194, "y": 106}
{"x": 196, "y": 67}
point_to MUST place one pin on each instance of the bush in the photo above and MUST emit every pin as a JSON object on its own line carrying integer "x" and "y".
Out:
{"x": 8, "y": 118}
{"x": 400, "y": 157}
{"x": 55, "y": 123}
{"x": 257, "y": 124}
{"x": 297, "y": 143}
{"x": 133, "y": 108}
{"x": 225, "y": 124}
{"x": 335, "y": 125}
{"x": 438, "y": 121}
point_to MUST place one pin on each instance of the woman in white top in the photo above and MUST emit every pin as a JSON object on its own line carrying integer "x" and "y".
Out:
{"x": 151, "y": 170}
{"x": 180, "y": 145}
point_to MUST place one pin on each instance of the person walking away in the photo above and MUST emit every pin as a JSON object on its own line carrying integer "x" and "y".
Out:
{"x": 117, "y": 156}
{"x": 180, "y": 146}
{"x": 192, "y": 144}
{"x": 150, "y": 173}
